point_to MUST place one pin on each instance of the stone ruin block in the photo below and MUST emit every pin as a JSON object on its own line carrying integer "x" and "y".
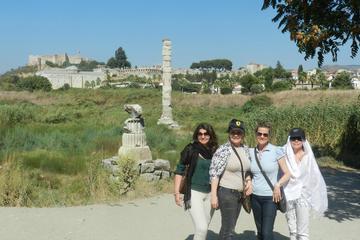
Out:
{"x": 161, "y": 164}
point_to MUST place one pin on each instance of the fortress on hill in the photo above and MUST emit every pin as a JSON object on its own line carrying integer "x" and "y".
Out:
{"x": 59, "y": 59}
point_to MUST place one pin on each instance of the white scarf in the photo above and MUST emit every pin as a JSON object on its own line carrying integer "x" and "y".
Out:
{"x": 315, "y": 187}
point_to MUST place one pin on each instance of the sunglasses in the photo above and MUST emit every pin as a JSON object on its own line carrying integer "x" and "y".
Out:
{"x": 259, "y": 134}
{"x": 293, "y": 139}
{"x": 203, "y": 134}
{"x": 236, "y": 133}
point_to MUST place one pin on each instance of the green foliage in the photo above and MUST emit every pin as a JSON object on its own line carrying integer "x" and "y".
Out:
{"x": 185, "y": 86}
{"x": 256, "y": 88}
{"x": 65, "y": 87}
{"x": 9, "y": 82}
{"x": 256, "y": 102}
{"x": 226, "y": 90}
{"x": 15, "y": 190}
{"x": 319, "y": 27}
{"x": 51, "y": 64}
{"x": 349, "y": 144}
{"x": 247, "y": 81}
{"x": 282, "y": 85}
{"x": 120, "y": 60}
{"x": 88, "y": 65}
{"x": 34, "y": 83}
{"x": 215, "y": 64}
{"x": 342, "y": 80}
{"x": 11, "y": 115}
{"x": 267, "y": 76}
{"x": 57, "y": 145}
{"x": 128, "y": 174}
{"x": 53, "y": 161}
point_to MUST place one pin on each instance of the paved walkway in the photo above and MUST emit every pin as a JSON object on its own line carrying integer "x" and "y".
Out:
{"x": 159, "y": 218}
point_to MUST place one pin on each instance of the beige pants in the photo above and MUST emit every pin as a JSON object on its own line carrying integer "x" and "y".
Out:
{"x": 201, "y": 213}
{"x": 297, "y": 216}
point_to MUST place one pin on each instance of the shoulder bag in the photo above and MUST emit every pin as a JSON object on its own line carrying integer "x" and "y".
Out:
{"x": 182, "y": 189}
{"x": 281, "y": 205}
{"x": 245, "y": 200}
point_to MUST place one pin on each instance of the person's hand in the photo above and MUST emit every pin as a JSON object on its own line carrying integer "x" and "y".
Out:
{"x": 178, "y": 199}
{"x": 276, "y": 193}
{"x": 214, "y": 201}
{"x": 248, "y": 188}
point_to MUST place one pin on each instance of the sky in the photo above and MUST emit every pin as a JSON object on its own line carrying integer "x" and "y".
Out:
{"x": 237, "y": 30}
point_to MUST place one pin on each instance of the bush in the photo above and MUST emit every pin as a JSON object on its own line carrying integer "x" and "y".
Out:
{"x": 14, "y": 188}
{"x": 11, "y": 115}
{"x": 261, "y": 101}
{"x": 282, "y": 85}
{"x": 65, "y": 87}
{"x": 34, "y": 83}
{"x": 257, "y": 88}
{"x": 127, "y": 176}
{"x": 226, "y": 90}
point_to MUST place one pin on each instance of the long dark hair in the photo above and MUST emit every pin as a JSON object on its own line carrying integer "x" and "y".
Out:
{"x": 213, "y": 142}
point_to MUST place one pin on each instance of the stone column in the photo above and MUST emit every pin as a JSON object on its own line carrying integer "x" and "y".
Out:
{"x": 166, "y": 116}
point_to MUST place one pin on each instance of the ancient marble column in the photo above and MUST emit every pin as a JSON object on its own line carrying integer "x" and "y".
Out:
{"x": 166, "y": 117}
{"x": 134, "y": 139}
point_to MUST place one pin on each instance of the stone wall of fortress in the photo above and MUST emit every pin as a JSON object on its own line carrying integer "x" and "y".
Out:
{"x": 58, "y": 59}
{"x": 76, "y": 79}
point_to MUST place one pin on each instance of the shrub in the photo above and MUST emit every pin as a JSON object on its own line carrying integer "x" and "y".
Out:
{"x": 65, "y": 87}
{"x": 11, "y": 115}
{"x": 226, "y": 90}
{"x": 255, "y": 102}
{"x": 14, "y": 188}
{"x": 127, "y": 176}
{"x": 257, "y": 88}
{"x": 282, "y": 85}
{"x": 34, "y": 83}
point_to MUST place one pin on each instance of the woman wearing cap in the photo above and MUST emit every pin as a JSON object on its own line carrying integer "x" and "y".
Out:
{"x": 226, "y": 178}
{"x": 306, "y": 188}
{"x": 264, "y": 199}
{"x": 197, "y": 156}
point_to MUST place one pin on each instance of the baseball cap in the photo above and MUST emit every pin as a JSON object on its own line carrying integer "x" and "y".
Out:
{"x": 236, "y": 125}
{"x": 297, "y": 132}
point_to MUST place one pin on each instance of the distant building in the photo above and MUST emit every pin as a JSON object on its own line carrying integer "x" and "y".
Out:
{"x": 58, "y": 59}
{"x": 355, "y": 82}
{"x": 236, "y": 89}
{"x": 254, "y": 67}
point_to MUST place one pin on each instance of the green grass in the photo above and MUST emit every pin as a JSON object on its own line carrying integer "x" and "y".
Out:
{"x": 51, "y": 143}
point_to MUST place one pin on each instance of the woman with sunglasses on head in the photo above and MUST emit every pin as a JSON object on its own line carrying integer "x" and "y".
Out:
{"x": 264, "y": 199}
{"x": 196, "y": 157}
{"x": 306, "y": 188}
{"x": 229, "y": 170}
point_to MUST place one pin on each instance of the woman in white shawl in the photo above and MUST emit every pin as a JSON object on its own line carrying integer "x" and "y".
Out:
{"x": 306, "y": 188}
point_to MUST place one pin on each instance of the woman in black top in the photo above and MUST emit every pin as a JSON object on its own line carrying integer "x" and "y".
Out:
{"x": 196, "y": 156}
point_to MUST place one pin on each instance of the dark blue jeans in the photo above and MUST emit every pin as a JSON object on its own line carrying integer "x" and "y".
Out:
{"x": 264, "y": 210}
{"x": 230, "y": 205}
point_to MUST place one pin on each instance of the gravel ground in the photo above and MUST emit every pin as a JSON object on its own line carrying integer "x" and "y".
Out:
{"x": 159, "y": 218}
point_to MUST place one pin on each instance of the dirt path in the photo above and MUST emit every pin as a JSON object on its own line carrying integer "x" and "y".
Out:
{"x": 159, "y": 218}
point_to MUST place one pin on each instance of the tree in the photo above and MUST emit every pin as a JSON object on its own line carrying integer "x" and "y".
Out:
{"x": 215, "y": 64}
{"x": 247, "y": 81}
{"x": 120, "y": 60}
{"x": 342, "y": 80}
{"x": 321, "y": 78}
{"x": 319, "y": 27}
{"x": 302, "y": 76}
{"x": 267, "y": 75}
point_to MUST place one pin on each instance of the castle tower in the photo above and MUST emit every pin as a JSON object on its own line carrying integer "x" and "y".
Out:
{"x": 166, "y": 117}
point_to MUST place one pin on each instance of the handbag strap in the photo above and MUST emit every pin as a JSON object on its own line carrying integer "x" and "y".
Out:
{"x": 242, "y": 168}
{"x": 262, "y": 171}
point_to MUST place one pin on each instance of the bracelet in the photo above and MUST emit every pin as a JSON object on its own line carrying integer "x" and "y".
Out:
{"x": 176, "y": 193}
{"x": 278, "y": 184}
